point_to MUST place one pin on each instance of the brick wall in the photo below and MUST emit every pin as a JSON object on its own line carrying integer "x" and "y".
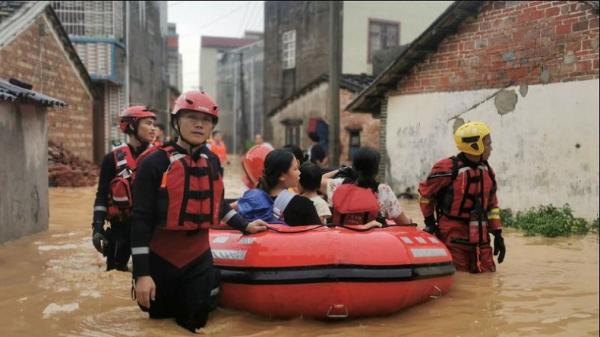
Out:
{"x": 37, "y": 57}
{"x": 309, "y": 20}
{"x": 369, "y": 126}
{"x": 533, "y": 42}
{"x": 307, "y": 106}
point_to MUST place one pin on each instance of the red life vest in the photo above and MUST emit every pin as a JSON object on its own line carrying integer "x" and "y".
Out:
{"x": 353, "y": 205}
{"x": 120, "y": 201}
{"x": 462, "y": 196}
{"x": 190, "y": 192}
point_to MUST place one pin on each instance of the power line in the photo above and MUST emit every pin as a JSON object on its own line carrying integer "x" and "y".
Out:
{"x": 245, "y": 18}
{"x": 220, "y": 17}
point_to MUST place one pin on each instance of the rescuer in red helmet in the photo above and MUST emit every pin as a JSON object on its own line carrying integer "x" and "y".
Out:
{"x": 113, "y": 198}
{"x": 179, "y": 195}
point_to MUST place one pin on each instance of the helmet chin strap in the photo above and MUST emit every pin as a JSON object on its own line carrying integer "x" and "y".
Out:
{"x": 178, "y": 129}
{"x": 135, "y": 134}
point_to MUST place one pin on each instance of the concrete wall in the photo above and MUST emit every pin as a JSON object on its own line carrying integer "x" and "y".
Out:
{"x": 315, "y": 103}
{"x": 208, "y": 71}
{"x": 147, "y": 59}
{"x": 544, "y": 121}
{"x": 24, "y": 178}
{"x": 309, "y": 19}
{"x": 545, "y": 150}
{"x": 239, "y": 131}
{"x": 37, "y": 57}
{"x": 369, "y": 126}
{"x": 414, "y": 17}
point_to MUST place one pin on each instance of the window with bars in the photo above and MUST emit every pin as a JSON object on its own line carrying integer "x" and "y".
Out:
{"x": 292, "y": 131}
{"x": 288, "y": 49}
{"x": 382, "y": 35}
{"x": 354, "y": 143}
{"x": 91, "y": 18}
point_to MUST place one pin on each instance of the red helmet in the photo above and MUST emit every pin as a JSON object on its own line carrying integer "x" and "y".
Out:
{"x": 196, "y": 101}
{"x": 254, "y": 163}
{"x": 131, "y": 115}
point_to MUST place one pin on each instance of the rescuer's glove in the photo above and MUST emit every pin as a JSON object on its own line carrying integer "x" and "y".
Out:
{"x": 499, "y": 246}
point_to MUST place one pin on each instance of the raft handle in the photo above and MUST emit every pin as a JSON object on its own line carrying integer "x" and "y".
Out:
{"x": 439, "y": 292}
{"x": 333, "y": 311}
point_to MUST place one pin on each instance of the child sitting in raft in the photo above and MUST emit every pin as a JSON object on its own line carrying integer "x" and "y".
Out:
{"x": 310, "y": 182}
{"x": 365, "y": 163}
{"x": 272, "y": 201}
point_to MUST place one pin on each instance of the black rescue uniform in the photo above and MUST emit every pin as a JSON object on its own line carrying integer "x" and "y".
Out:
{"x": 119, "y": 247}
{"x": 176, "y": 199}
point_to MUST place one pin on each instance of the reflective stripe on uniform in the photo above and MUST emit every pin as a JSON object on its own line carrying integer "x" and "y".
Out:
{"x": 229, "y": 215}
{"x": 100, "y": 208}
{"x": 494, "y": 214}
{"x": 176, "y": 157}
{"x": 424, "y": 200}
{"x": 140, "y": 250}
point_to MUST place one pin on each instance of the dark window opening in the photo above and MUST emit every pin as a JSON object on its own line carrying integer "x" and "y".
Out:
{"x": 354, "y": 143}
{"x": 382, "y": 35}
{"x": 292, "y": 131}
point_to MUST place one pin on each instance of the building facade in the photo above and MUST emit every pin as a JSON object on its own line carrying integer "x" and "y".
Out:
{"x": 529, "y": 70}
{"x": 212, "y": 49}
{"x": 297, "y": 40}
{"x": 356, "y": 129}
{"x": 23, "y": 116}
{"x": 239, "y": 95}
{"x": 123, "y": 72}
{"x": 35, "y": 49}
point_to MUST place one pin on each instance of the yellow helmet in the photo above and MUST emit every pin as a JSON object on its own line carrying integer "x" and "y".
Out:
{"x": 469, "y": 137}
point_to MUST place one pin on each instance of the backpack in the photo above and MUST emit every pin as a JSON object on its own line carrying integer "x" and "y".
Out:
{"x": 120, "y": 202}
{"x": 353, "y": 205}
{"x": 257, "y": 204}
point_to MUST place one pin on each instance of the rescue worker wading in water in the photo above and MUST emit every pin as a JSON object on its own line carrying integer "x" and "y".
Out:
{"x": 462, "y": 191}
{"x": 178, "y": 195}
{"x": 113, "y": 198}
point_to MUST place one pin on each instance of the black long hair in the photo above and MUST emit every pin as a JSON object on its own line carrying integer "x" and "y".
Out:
{"x": 277, "y": 162}
{"x": 297, "y": 151}
{"x": 365, "y": 163}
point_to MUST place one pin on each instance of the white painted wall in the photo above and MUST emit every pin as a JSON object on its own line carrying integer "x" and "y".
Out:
{"x": 208, "y": 71}
{"x": 414, "y": 18}
{"x": 535, "y": 154}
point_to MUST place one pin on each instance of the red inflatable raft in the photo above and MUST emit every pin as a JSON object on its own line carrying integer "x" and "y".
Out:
{"x": 323, "y": 272}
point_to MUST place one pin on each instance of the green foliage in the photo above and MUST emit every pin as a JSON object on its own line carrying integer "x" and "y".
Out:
{"x": 594, "y": 227}
{"x": 508, "y": 219}
{"x": 548, "y": 220}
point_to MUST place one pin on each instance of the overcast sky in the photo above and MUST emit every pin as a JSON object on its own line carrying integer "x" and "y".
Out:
{"x": 216, "y": 18}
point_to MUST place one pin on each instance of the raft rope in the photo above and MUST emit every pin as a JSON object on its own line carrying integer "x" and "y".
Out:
{"x": 315, "y": 227}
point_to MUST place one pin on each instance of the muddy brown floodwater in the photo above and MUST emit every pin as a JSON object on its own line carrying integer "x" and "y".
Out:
{"x": 54, "y": 284}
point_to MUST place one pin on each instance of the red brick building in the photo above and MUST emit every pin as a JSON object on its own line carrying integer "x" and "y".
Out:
{"x": 289, "y": 121}
{"x": 529, "y": 69}
{"x": 35, "y": 49}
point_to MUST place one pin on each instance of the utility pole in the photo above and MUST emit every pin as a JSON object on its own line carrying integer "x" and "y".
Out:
{"x": 242, "y": 106}
{"x": 335, "y": 60}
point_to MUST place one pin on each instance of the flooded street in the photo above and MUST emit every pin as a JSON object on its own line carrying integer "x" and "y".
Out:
{"x": 54, "y": 284}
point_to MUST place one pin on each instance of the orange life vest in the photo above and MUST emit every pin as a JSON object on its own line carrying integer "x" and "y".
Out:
{"x": 354, "y": 205}
{"x": 120, "y": 202}
{"x": 467, "y": 191}
{"x": 190, "y": 192}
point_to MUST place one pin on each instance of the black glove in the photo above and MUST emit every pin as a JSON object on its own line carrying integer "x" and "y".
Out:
{"x": 499, "y": 246}
{"x": 99, "y": 237}
{"x": 431, "y": 226}
{"x": 346, "y": 173}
